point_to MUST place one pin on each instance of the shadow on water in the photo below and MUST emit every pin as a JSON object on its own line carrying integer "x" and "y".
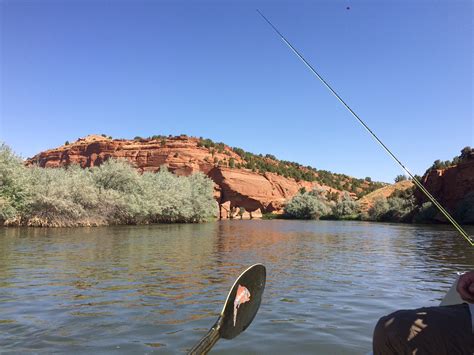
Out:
{"x": 159, "y": 288}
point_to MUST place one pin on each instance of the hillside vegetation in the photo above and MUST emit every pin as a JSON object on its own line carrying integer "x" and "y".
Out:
{"x": 397, "y": 206}
{"x": 438, "y": 164}
{"x": 269, "y": 163}
{"x": 392, "y": 203}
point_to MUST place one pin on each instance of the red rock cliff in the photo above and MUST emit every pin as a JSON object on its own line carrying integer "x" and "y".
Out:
{"x": 450, "y": 185}
{"x": 235, "y": 187}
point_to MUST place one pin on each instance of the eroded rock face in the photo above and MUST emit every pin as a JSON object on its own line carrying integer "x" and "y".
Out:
{"x": 451, "y": 185}
{"x": 181, "y": 155}
{"x": 265, "y": 192}
{"x": 235, "y": 188}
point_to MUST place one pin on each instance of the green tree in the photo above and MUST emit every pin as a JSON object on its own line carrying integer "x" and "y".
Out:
{"x": 379, "y": 209}
{"x": 400, "y": 178}
{"x": 306, "y": 206}
{"x": 345, "y": 207}
{"x": 464, "y": 211}
{"x": 466, "y": 151}
{"x": 14, "y": 192}
{"x": 426, "y": 213}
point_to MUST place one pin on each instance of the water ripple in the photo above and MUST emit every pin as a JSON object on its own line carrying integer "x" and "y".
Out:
{"x": 160, "y": 288}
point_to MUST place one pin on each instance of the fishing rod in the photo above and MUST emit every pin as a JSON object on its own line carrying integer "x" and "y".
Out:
{"x": 377, "y": 139}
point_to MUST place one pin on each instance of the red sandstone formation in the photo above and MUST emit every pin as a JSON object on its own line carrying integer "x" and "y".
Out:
{"x": 252, "y": 191}
{"x": 450, "y": 185}
{"x": 235, "y": 188}
{"x": 180, "y": 154}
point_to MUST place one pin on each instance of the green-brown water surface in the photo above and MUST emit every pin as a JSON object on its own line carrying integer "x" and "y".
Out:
{"x": 159, "y": 288}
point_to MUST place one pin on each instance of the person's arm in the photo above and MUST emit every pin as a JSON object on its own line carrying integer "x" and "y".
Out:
{"x": 465, "y": 286}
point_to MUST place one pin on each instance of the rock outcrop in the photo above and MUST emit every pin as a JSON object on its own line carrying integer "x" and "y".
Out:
{"x": 451, "y": 185}
{"x": 265, "y": 192}
{"x": 235, "y": 188}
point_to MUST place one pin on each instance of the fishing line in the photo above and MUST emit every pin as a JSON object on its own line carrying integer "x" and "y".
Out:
{"x": 414, "y": 179}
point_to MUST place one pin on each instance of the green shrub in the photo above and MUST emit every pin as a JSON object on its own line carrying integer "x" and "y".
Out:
{"x": 399, "y": 209}
{"x": 220, "y": 147}
{"x": 400, "y": 178}
{"x": 426, "y": 213}
{"x": 113, "y": 193}
{"x": 14, "y": 190}
{"x": 345, "y": 207}
{"x": 466, "y": 151}
{"x": 201, "y": 198}
{"x": 379, "y": 209}
{"x": 307, "y": 205}
{"x": 464, "y": 212}
{"x": 116, "y": 175}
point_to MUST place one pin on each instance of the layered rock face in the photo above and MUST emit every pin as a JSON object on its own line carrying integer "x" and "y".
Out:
{"x": 243, "y": 188}
{"x": 451, "y": 185}
{"x": 180, "y": 154}
{"x": 235, "y": 188}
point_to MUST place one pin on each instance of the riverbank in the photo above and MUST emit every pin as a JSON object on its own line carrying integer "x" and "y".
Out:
{"x": 116, "y": 193}
{"x": 113, "y": 193}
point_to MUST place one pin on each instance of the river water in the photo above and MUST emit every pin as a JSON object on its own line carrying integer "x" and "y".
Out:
{"x": 159, "y": 288}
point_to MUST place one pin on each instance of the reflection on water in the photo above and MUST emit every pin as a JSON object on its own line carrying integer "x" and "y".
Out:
{"x": 159, "y": 288}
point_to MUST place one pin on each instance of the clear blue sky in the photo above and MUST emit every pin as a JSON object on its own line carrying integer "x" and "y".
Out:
{"x": 215, "y": 69}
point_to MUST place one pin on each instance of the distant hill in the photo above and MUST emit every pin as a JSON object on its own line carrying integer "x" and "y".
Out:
{"x": 367, "y": 201}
